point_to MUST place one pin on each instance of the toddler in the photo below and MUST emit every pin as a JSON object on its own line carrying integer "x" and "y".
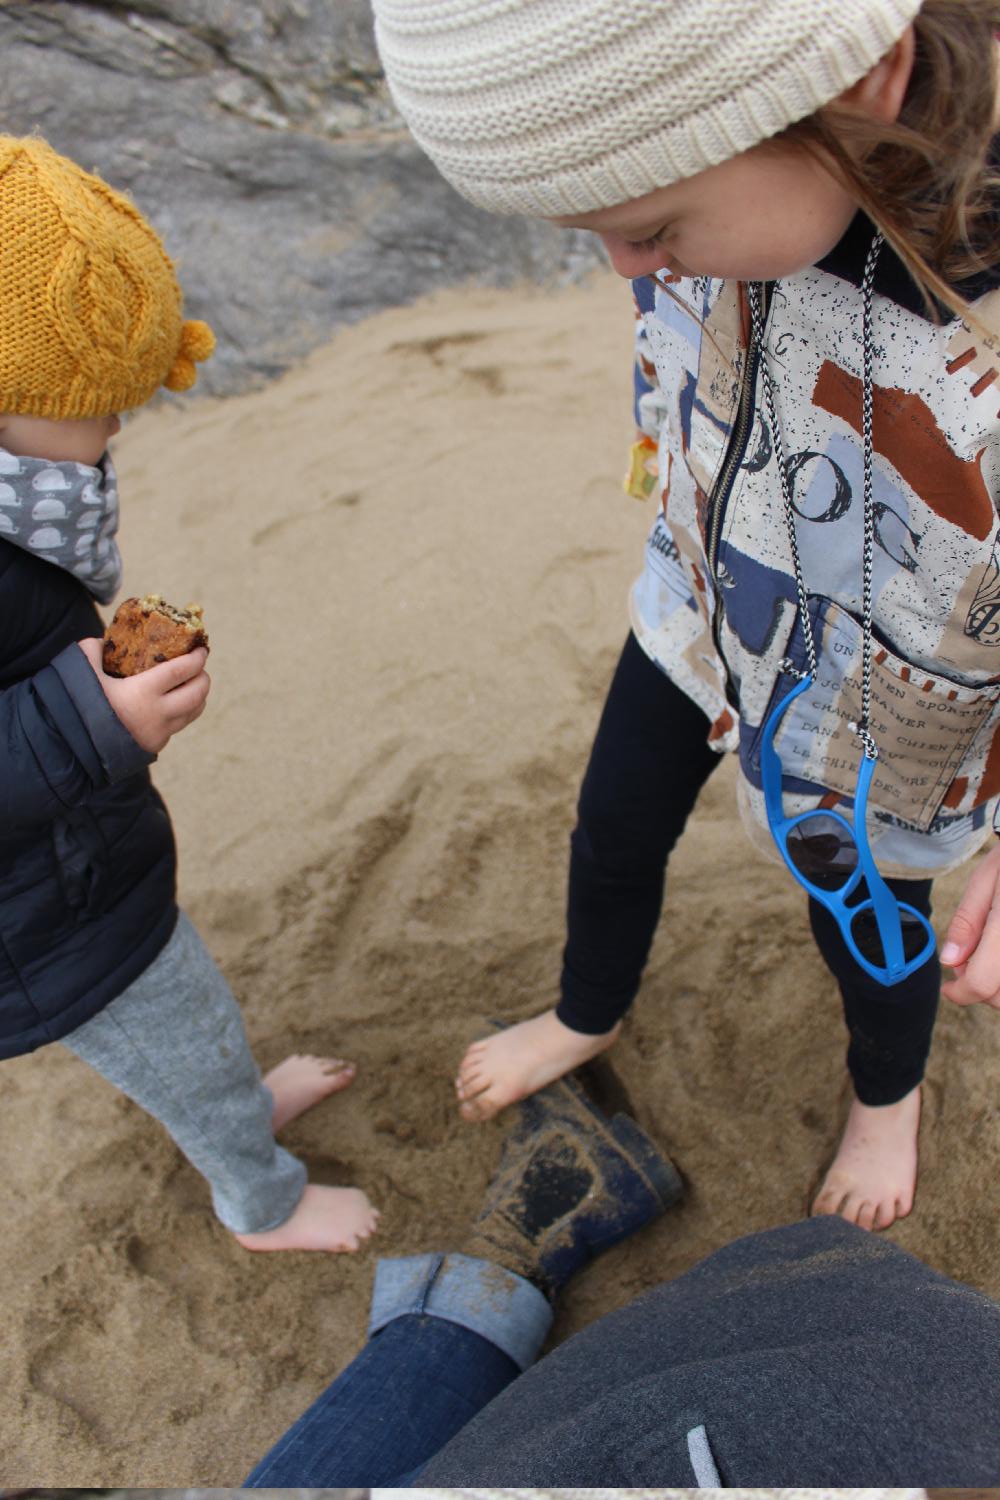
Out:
{"x": 93, "y": 950}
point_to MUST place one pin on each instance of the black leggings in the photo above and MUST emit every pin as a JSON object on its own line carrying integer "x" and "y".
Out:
{"x": 649, "y": 761}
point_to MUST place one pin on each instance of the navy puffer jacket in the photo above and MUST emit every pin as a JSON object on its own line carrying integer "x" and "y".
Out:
{"x": 87, "y": 859}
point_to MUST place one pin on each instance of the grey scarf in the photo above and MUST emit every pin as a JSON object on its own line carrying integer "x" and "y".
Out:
{"x": 66, "y": 513}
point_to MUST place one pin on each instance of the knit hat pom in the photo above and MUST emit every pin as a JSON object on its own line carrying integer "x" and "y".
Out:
{"x": 197, "y": 343}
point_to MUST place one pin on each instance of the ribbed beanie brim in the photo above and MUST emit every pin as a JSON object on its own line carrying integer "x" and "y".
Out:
{"x": 550, "y": 107}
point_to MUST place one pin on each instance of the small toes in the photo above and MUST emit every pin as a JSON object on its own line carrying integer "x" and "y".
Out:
{"x": 474, "y": 1080}
{"x": 472, "y": 1093}
{"x": 828, "y": 1201}
{"x": 888, "y": 1213}
{"x": 848, "y": 1208}
{"x": 479, "y": 1108}
{"x": 862, "y": 1212}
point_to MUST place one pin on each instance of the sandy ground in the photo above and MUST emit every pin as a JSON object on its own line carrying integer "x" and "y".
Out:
{"x": 414, "y": 555}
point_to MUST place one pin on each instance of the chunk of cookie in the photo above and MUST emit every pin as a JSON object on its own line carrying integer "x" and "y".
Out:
{"x": 149, "y": 630}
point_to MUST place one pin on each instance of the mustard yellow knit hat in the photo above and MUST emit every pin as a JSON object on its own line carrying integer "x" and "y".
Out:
{"x": 90, "y": 308}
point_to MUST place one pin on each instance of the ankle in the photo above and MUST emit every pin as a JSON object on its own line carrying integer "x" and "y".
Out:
{"x": 510, "y": 1256}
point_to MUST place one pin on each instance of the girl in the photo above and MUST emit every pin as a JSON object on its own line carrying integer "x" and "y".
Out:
{"x": 801, "y": 193}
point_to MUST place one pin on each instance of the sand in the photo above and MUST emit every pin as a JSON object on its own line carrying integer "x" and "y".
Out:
{"x": 414, "y": 556}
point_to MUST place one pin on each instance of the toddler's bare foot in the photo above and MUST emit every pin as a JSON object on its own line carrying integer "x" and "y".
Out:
{"x": 302, "y": 1081}
{"x": 521, "y": 1060}
{"x": 874, "y": 1174}
{"x": 326, "y": 1218}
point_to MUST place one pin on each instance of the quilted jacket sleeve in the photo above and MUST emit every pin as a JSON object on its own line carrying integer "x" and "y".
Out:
{"x": 60, "y": 742}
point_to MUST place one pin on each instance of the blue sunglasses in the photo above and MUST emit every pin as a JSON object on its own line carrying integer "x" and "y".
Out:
{"x": 830, "y": 857}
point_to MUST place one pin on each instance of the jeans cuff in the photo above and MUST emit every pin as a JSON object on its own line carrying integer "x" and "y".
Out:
{"x": 476, "y": 1294}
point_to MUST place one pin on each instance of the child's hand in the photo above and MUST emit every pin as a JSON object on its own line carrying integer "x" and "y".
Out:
{"x": 154, "y": 705}
{"x": 972, "y": 945}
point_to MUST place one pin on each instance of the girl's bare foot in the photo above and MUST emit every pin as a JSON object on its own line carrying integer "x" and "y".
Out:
{"x": 302, "y": 1081}
{"x": 874, "y": 1174}
{"x": 326, "y": 1218}
{"x": 521, "y": 1060}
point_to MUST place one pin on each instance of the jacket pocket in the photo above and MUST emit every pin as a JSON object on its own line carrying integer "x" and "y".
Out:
{"x": 927, "y": 727}
{"x": 82, "y": 862}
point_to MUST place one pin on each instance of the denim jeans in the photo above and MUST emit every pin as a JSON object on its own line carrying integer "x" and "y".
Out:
{"x": 812, "y": 1355}
{"x": 446, "y": 1335}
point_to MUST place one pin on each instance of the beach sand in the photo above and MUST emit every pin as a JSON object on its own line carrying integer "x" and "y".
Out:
{"x": 414, "y": 555}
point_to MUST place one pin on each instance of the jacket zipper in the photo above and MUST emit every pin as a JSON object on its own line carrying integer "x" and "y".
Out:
{"x": 724, "y": 485}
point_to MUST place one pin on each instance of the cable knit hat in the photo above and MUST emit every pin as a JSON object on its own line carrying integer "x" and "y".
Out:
{"x": 551, "y": 107}
{"x": 90, "y": 308}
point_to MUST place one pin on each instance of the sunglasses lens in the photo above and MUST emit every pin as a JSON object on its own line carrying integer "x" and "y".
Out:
{"x": 865, "y": 932}
{"x": 822, "y": 851}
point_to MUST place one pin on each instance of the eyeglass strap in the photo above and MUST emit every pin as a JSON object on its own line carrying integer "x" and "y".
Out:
{"x": 863, "y": 728}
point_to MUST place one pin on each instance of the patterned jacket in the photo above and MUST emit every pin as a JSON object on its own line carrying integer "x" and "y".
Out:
{"x": 715, "y": 606}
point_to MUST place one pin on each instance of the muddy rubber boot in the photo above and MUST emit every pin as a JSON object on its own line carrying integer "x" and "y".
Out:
{"x": 570, "y": 1184}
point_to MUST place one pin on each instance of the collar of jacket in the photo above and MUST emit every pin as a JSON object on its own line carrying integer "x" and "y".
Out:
{"x": 892, "y": 279}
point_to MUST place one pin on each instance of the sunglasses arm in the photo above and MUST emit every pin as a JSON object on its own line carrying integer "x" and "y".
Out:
{"x": 770, "y": 765}
{"x": 883, "y": 902}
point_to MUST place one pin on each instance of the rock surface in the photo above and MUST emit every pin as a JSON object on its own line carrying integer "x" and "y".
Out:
{"x": 259, "y": 138}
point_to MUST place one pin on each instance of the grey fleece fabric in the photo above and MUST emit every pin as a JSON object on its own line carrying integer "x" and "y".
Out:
{"x": 174, "y": 1042}
{"x": 815, "y": 1355}
{"x": 706, "y": 1492}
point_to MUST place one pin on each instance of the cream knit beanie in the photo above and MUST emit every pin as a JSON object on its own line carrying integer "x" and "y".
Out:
{"x": 551, "y": 107}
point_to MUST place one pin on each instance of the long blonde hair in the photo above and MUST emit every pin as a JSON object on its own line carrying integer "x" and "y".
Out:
{"x": 928, "y": 181}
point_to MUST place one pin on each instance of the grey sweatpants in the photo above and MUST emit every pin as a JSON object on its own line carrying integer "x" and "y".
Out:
{"x": 174, "y": 1043}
